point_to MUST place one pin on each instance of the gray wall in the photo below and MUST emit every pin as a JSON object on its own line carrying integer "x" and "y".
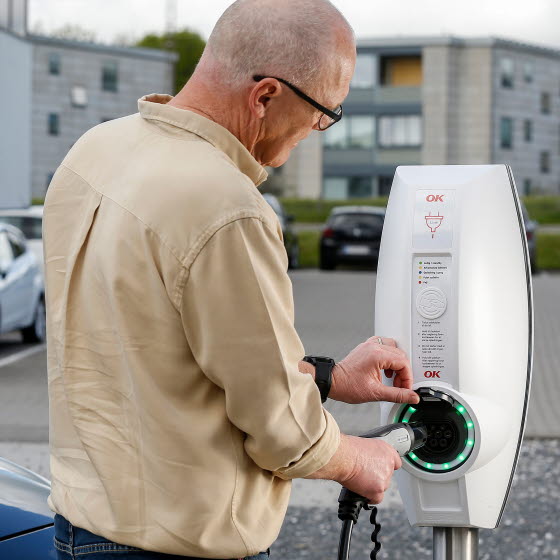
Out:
{"x": 522, "y": 102}
{"x": 15, "y": 119}
{"x": 457, "y": 105}
{"x": 137, "y": 76}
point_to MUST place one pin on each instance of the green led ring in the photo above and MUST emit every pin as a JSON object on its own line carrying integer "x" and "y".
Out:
{"x": 461, "y": 457}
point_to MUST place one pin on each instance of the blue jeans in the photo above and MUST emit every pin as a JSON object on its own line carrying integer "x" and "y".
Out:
{"x": 73, "y": 543}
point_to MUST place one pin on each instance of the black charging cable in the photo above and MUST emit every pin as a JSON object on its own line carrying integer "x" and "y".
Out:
{"x": 404, "y": 438}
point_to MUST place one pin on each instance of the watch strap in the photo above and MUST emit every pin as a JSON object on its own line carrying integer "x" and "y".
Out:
{"x": 323, "y": 373}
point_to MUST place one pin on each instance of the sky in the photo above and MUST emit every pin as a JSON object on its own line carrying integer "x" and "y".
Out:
{"x": 535, "y": 21}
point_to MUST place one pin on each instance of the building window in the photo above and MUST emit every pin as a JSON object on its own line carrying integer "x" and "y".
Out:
{"x": 335, "y": 188}
{"x": 78, "y": 96}
{"x": 528, "y": 130}
{"x": 53, "y": 124}
{"x": 356, "y": 131}
{"x": 507, "y": 69}
{"x": 401, "y": 71}
{"x": 54, "y": 64}
{"x": 384, "y": 184}
{"x": 341, "y": 188}
{"x": 49, "y": 179}
{"x": 400, "y": 131}
{"x": 528, "y": 72}
{"x": 365, "y": 72}
{"x": 545, "y": 103}
{"x": 362, "y": 131}
{"x": 545, "y": 162}
{"x": 109, "y": 76}
{"x": 526, "y": 187}
{"x": 359, "y": 187}
{"x": 506, "y": 132}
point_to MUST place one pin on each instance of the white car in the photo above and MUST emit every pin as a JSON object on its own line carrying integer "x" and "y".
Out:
{"x": 22, "y": 293}
{"x": 30, "y": 222}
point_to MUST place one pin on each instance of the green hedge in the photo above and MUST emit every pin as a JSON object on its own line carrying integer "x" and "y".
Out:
{"x": 308, "y": 210}
{"x": 548, "y": 250}
{"x": 543, "y": 209}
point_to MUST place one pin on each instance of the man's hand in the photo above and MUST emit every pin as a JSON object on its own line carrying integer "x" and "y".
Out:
{"x": 364, "y": 466}
{"x": 358, "y": 378}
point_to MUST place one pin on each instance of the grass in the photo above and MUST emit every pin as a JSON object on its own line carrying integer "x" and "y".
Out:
{"x": 548, "y": 250}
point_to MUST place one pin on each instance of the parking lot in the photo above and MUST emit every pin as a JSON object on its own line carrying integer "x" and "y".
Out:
{"x": 334, "y": 312}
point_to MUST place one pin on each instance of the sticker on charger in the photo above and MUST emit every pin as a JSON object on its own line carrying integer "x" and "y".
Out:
{"x": 433, "y": 219}
{"x": 433, "y": 327}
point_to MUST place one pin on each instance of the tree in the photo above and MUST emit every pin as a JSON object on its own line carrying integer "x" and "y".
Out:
{"x": 74, "y": 32}
{"x": 187, "y": 44}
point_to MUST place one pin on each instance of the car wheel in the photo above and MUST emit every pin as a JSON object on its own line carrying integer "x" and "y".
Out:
{"x": 293, "y": 261}
{"x": 327, "y": 263}
{"x": 37, "y": 331}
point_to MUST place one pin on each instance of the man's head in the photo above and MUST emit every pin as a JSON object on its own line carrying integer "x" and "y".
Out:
{"x": 307, "y": 43}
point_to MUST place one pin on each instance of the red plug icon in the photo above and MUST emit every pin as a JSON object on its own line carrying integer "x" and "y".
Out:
{"x": 433, "y": 222}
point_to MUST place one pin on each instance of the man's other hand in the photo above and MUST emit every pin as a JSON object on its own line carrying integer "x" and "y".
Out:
{"x": 358, "y": 378}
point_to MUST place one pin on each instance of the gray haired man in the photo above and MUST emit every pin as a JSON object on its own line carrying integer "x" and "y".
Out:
{"x": 180, "y": 405}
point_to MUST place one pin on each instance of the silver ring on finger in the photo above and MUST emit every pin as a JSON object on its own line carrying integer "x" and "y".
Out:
{"x": 379, "y": 340}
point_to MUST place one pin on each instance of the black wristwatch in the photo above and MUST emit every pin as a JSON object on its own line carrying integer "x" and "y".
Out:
{"x": 323, "y": 373}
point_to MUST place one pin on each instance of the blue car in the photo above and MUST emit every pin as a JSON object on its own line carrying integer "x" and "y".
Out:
{"x": 26, "y": 522}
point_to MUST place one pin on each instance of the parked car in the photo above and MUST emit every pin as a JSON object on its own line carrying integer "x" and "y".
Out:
{"x": 531, "y": 232}
{"x": 22, "y": 294}
{"x": 352, "y": 234}
{"x": 30, "y": 222}
{"x": 290, "y": 236}
{"x": 26, "y": 523}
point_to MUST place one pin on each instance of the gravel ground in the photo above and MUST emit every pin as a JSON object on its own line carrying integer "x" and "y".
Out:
{"x": 530, "y": 527}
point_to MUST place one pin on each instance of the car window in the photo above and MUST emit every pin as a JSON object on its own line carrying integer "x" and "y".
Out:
{"x": 29, "y": 225}
{"x": 18, "y": 248}
{"x": 357, "y": 220}
{"x": 6, "y": 254}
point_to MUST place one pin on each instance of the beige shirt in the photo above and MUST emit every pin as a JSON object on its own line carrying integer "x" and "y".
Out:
{"x": 178, "y": 415}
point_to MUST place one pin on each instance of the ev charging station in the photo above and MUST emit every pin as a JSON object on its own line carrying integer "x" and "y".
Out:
{"x": 454, "y": 290}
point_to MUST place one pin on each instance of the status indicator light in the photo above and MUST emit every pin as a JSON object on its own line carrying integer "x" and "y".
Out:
{"x": 428, "y": 465}
{"x": 461, "y": 457}
{"x": 470, "y": 424}
{"x": 412, "y": 456}
{"x": 470, "y": 442}
{"x": 461, "y": 408}
{"x": 446, "y": 465}
{"x": 411, "y": 409}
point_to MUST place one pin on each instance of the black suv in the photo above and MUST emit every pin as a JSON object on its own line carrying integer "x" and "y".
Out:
{"x": 351, "y": 234}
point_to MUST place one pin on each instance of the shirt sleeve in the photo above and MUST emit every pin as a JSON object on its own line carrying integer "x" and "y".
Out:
{"x": 238, "y": 314}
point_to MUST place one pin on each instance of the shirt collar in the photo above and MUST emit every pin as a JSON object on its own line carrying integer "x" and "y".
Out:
{"x": 154, "y": 107}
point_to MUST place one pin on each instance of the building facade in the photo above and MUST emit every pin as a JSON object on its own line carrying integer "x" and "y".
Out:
{"x": 437, "y": 101}
{"x": 58, "y": 90}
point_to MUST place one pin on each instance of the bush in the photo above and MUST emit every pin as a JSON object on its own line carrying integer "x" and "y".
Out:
{"x": 543, "y": 209}
{"x": 308, "y": 210}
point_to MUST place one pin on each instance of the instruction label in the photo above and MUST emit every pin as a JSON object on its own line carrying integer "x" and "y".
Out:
{"x": 433, "y": 334}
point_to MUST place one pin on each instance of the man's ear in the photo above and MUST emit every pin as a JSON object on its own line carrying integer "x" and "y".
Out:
{"x": 261, "y": 96}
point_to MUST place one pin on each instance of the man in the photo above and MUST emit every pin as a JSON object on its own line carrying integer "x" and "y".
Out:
{"x": 180, "y": 408}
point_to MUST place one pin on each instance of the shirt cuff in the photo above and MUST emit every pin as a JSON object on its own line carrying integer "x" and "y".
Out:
{"x": 317, "y": 456}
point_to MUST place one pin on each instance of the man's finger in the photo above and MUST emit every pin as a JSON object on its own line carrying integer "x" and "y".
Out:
{"x": 384, "y": 341}
{"x": 397, "y": 395}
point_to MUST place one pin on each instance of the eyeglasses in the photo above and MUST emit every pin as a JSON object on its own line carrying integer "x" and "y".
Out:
{"x": 328, "y": 118}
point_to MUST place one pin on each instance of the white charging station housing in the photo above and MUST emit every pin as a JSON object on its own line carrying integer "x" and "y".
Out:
{"x": 454, "y": 290}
